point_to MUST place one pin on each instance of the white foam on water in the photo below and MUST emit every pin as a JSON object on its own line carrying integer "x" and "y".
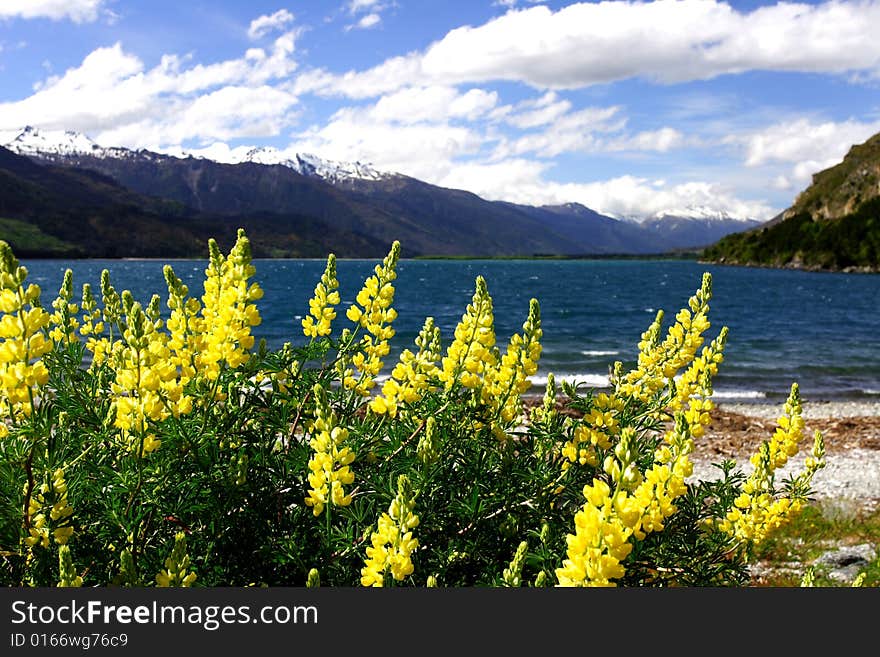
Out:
{"x": 738, "y": 394}
{"x": 599, "y": 352}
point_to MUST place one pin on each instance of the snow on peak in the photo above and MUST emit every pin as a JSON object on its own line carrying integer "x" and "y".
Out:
{"x": 312, "y": 165}
{"x": 33, "y": 141}
{"x": 702, "y": 212}
{"x": 336, "y": 171}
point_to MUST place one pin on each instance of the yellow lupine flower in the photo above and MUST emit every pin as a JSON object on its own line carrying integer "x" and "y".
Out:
{"x": 329, "y": 466}
{"x": 49, "y": 512}
{"x": 600, "y": 542}
{"x": 392, "y": 544}
{"x": 228, "y": 309}
{"x": 658, "y": 362}
{"x": 758, "y": 511}
{"x": 22, "y": 342}
{"x": 472, "y": 350}
{"x": 63, "y": 320}
{"x": 144, "y": 377}
{"x": 373, "y": 312}
{"x": 413, "y": 374}
{"x": 321, "y": 311}
{"x": 504, "y": 384}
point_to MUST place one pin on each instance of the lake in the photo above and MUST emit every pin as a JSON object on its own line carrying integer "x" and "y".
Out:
{"x": 821, "y": 330}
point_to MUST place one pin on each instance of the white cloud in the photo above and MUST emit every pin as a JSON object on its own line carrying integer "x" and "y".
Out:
{"x": 423, "y": 150}
{"x": 661, "y": 140}
{"x": 372, "y": 10}
{"x": 807, "y": 145}
{"x": 592, "y": 43}
{"x": 523, "y": 181}
{"x": 78, "y": 11}
{"x": 803, "y": 139}
{"x": 112, "y": 98}
{"x": 575, "y": 131}
{"x": 265, "y": 24}
{"x": 368, "y": 21}
{"x": 512, "y": 3}
{"x": 432, "y": 104}
{"x": 545, "y": 109}
{"x": 356, "y": 6}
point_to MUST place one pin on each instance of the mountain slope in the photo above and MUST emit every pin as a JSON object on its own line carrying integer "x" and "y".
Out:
{"x": 592, "y": 232}
{"x": 689, "y": 232}
{"x": 834, "y": 224}
{"x": 426, "y": 219}
{"x": 48, "y": 211}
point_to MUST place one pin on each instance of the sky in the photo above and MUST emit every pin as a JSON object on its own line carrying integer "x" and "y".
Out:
{"x": 629, "y": 108}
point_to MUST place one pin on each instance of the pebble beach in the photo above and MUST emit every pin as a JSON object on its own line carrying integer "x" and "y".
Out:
{"x": 851, "y": 431}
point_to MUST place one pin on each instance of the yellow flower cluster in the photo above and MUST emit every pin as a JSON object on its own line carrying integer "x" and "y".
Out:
{"x": 641, "y": 501}
{"x": 758, "y": 511}
{"x": 22, "y": 340}
{"x": 594, "y": 432}
{"x": 228, "y": 309}
{"x": 185, "y": 331}
{"x": 329, "y": 467}
{"x": 392, "y": 544}
{"x": 599, "y": 544}
{"x": 693, "y": 390}
{"x": 659, "y": 362}
{"x": 472, "y": 351}
{"x": 49, "y": 512}
{"x": 92, "y": 317}
{"x": 374, "y": 313}
{"x": 176, "y": 566}
{"x": 145, "y": 380}
{"x": 413, "y": 374}
{"x": 63, "y": 320}
{"x": 503, "y": 385}
{"x": 321, "y": 312}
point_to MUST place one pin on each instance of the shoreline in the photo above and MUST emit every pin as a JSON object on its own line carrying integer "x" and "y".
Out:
{"x": 850, "y": 480}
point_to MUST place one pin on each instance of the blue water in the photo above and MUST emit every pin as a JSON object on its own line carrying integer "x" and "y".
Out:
{"x": 821, "y": 330}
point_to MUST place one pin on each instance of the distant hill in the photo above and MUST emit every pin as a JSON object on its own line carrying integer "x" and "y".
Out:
{"x": 834, "y": 224}
{"x": 691, "y": 231}
{"x": 301, "y": 206}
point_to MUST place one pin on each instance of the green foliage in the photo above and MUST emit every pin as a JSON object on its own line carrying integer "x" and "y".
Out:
{"x": 26, "y": 238}
{"x": 851, "y": 241}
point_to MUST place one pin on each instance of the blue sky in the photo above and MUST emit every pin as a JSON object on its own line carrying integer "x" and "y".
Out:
{"x": 627, "y": 107}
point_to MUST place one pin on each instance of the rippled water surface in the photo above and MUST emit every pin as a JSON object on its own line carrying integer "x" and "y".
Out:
{"x": 819, "y": 329}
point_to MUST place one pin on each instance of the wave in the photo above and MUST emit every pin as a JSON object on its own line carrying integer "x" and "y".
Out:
{"x": 599, "y": 352}
{"x": 738, "y": 394}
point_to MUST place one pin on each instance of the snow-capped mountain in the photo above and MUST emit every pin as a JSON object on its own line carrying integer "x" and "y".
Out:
{"x": 312, "y": 165}
{"x": 50, "y": 144}
{"x": 57, "y": 145}
{"x": 696, "y": 226}
{"x": 701, "y": 212}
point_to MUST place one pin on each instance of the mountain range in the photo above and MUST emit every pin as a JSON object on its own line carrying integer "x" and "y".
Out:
{"x": 833, "y": 224}
{"x": 64, "y": 195}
